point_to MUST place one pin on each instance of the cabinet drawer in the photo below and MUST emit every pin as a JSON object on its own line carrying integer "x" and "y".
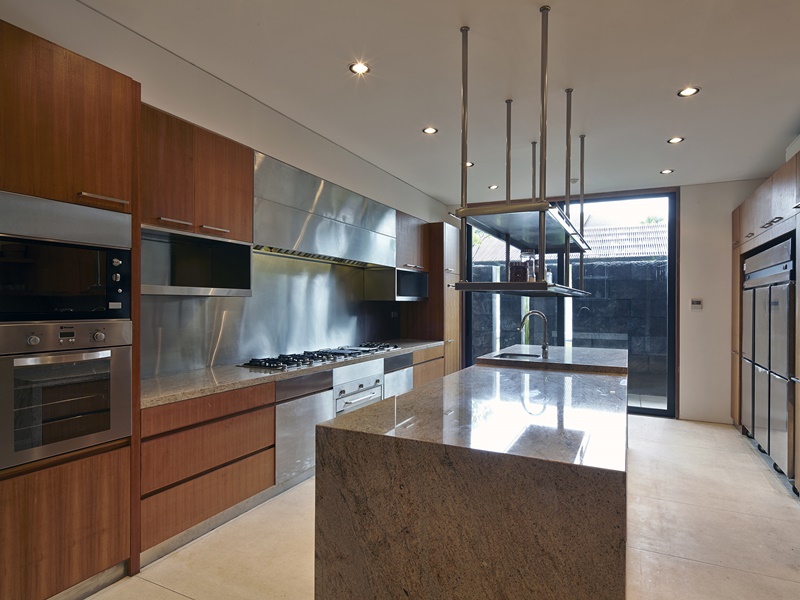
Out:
{"x": 177, "y": 509}
{"x": 428, "y": 354}
{"x": 428, "y": 371}
{"x": 160, "y": 419}
{"x": 174, "y": 457}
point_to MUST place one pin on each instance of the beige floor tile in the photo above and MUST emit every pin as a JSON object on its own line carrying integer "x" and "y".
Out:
{"x": 652, "y": 576}
{"x": 266, "y": 553}
{"x": 726, "y": 480}
{"x": 685, "y": 433}
{"x": 767, "y": 546}
{"x": 136, "y": 588}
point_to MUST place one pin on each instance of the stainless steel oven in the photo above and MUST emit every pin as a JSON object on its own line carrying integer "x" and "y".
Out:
{"x": 63, "y": 386}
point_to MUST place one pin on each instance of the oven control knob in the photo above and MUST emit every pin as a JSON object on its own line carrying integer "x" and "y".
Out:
{"x": 99, "y": 336}
{"x": 116, "y": 262}
{"x": 34, "y": 340}
{"x": 116, "y": 277}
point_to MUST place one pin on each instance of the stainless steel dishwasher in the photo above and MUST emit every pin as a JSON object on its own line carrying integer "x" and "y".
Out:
{"x": 302, "y": 402}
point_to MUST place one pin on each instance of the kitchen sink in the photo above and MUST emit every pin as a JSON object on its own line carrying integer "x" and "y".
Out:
{"x": 514, "y": 356}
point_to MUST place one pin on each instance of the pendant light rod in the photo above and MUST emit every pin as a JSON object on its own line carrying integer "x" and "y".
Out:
{"x": 583, "y": 162}
{"x": 567, "y": 183}
{"x": 464, "y": 107}
{"x": 544, "y": 10}
{"x": 508, "y": 151}
{"x": 533, "y": 171}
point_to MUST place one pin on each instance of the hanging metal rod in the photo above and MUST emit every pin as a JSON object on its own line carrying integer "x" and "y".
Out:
{"x": 567, "y": 183}
{"x": 582, "y": 265}
{"x": 544, "y": 10}
{"x": 463, "y": 242}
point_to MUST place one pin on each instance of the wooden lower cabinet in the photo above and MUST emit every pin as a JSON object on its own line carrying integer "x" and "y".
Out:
{"x": 178, "y": 508}
{"x": 428, "y": 371}
{"x": 64, "y": 524}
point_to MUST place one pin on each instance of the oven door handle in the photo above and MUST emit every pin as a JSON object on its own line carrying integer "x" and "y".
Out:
{"x": 52, "y": 359}
{"x": 362, "y": 398}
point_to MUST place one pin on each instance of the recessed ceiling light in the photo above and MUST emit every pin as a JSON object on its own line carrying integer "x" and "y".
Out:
{"x": 359, "y": 68}
{"x": 493, "y": 187}
{"x": 469, "y": 163}
{"x": 688, "y": 91}
{"x": 430, "y": 130}
{"x": 667, "y": 171}
{"x": 675, "y": 140}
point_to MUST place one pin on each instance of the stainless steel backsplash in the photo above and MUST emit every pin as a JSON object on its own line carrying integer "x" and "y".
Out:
{"x": 296, "y": 305}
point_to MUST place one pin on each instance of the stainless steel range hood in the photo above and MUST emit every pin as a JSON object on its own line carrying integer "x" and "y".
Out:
{"x": 299, "y": 214}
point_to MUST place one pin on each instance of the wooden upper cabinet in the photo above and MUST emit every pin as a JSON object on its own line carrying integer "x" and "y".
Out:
{"x": 223, "y": 186}
{"x": 412, "y": 243}
{"x": 167, "y": 175}
{"x": 784, "y": 190}
{"x": 452, "y": 263}
{"x": 69, "y": 126}
{"x": 195, "y": 180}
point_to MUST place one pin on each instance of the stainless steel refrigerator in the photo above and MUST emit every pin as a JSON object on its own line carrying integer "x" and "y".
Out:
{"x": 768, "y": 353}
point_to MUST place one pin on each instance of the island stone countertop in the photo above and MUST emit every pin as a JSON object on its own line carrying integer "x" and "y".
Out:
{"x": 560, "y": 358}
{"x": 492, "y": 482}
{"x": 175, "y": 387}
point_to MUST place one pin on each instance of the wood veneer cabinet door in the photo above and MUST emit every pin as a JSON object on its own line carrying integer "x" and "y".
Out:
{"x": 167, "y": 173}
{"x": 784, "y": 190}
{"x": 62, "y": 525}
{"x": 452, "y": 325}
{"x": 452, "y": 263}
{"x": 69, "y": 127}
{"x": 412, "y": 243}
{"x": 223, "y": 186}
{"x": 428, "y": 371}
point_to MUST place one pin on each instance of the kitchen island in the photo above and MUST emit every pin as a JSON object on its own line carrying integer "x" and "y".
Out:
{"x": 492, "y": 482}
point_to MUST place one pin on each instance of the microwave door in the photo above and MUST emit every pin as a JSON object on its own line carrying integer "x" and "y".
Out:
{"x": 781, "y": 339}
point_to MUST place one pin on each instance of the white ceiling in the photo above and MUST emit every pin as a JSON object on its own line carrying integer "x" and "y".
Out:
{"x": 625, "y": 59}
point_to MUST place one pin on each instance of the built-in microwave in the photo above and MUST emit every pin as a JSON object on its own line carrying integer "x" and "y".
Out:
{"x": 61, "y": 261}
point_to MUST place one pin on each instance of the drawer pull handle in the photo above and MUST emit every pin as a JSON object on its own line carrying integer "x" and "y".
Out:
{"x": 176, "y": 221}
{"x": 451, "y": 285}
{"x": 99, "y": 197}
{"x": 449, "y": 270}
{"x": 449, "y": 341}
{"x": 749, "y": 235}
{"x": 776, "y": 219}
{"x": 215, "y": 228}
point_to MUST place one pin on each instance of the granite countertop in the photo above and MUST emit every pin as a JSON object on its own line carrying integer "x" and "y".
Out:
{"x": 175, "y": 387}
{"x": 585, "y": 360}
{"x": 561, "y": 416}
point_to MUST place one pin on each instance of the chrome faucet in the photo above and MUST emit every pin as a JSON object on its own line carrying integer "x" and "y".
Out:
{"x": 544, "y": 318}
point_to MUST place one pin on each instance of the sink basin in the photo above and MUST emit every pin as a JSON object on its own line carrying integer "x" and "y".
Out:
{"x": 514, "y": 356}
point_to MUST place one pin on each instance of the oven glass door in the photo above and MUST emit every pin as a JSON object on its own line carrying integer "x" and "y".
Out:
{"x": 63, "y": 401}
{"x": 45, "y": 281}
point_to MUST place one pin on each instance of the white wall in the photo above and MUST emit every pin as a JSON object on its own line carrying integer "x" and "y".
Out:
{"x": 182, "y": 89}
{"x": 705, "y": 273}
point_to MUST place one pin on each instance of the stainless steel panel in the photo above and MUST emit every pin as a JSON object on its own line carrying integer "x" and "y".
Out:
{"x": 781, "y": 326}
{"x": 303, "y": 385}
{"x": 761, "y": 407}
{"x": 295, "y": 433}
{"x": 400, "y": 361}
{"x": 772, "y": 256}
{"x": 348, "y": 373}
{"x": 747, "y": 395}
{"x": 54, "y": 336}
{"x": 761, "y": 327}
{"x": 747, "y": 324}
{"x": 296, "y": 305}
{"x": 287, "y": 185}
{"x": 38, "y": 218}
{"x": 278, "y": 226}
{"x": 357, "y": 386}
{"x": 398, "y": 382}
{"x": 781, "y": 424}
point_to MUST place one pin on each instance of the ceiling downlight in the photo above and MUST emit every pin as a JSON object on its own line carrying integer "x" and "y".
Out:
{"x": 359, "y": 68}
{"x": 666, "y": 171}
{"x": 430, "y": 130}
{"x": 688, "y": 91}
{"x": 675, "y": 140}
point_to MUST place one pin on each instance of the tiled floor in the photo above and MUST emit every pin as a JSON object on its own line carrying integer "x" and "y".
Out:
{"x": 707, "y": 519}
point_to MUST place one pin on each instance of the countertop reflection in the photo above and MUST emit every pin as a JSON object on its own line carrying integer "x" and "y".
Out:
{"x": 567, "y": 417}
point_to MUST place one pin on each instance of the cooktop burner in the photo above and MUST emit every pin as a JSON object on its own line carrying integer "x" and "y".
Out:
{"x": 308, "y": 358}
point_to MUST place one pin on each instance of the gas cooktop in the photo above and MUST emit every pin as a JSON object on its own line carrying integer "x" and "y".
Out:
{"x": 308, "y": 358}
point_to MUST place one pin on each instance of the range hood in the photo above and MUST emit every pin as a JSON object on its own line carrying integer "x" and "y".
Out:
{"x": 301, "y": 215}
